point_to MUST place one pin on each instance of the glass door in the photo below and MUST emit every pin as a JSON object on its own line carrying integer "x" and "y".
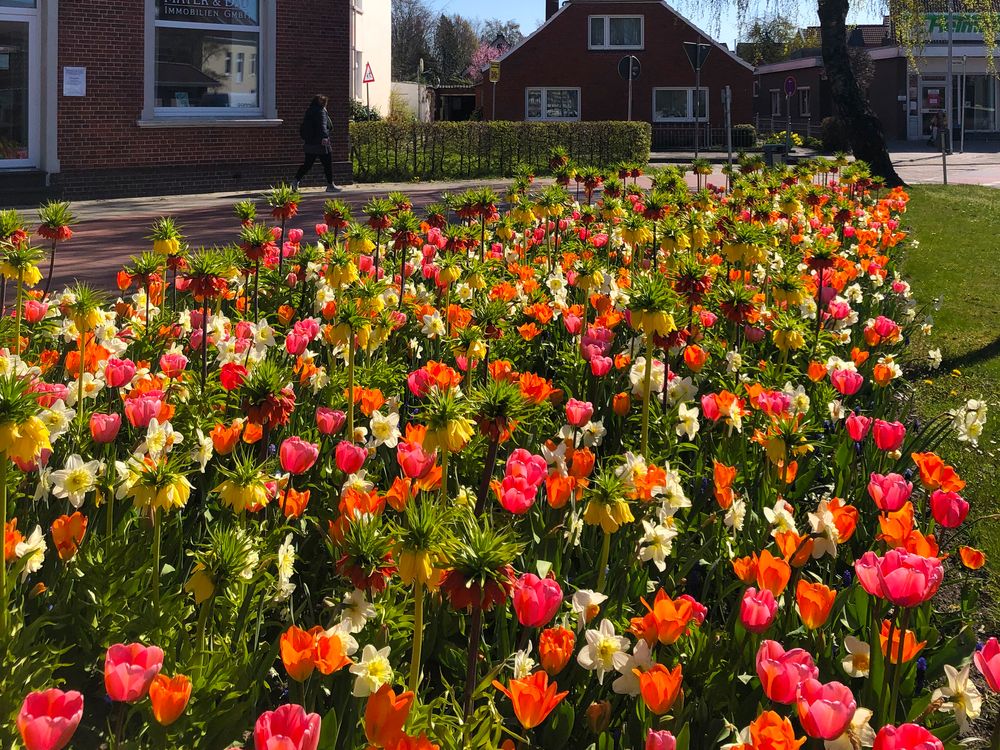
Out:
{"x": 19, "y": 90}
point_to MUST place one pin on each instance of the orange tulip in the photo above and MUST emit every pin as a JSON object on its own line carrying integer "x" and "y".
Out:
{"x": 558, "y": 489}
{"x": 67, "y": 533}
{"x": 772, "y": 573}
{"x": 695, "y": 357}
{"x": 746, "y": 568}
{"x": 293, "y": 502}
{"x": 224, "y": 437}
{"x": 11, "y": 538}
{"x": 660, "y": 687}
{"x": 910, "y": 645}
{"x": 816, "y": 371}
{"x": 972, "y": 558}
{"x": 845, "y": 518}
{"x": 621, "y": 404}
{"x": 385, "y": 715}
{"x": 533, "y": 698}
{"x": 936, "y": 474}
{"x": 668, "y": 619}
{"x": 253, "y": 433}
{"x": 296, "y": 646}
{"x": 770, "y": 731}
{"x": 328, "y": 651}
{"x": 814, "y": 601}
{"x": 555, "y": 647}
{"x": 723, "y": 477}
{"x": 795, "y": 548}
{"x": 169, "y": 697}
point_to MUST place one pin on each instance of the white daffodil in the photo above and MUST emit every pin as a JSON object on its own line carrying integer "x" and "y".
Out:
{"x": 385, "y": 429}
{"x": 859, "y": 733}
{"x": 605, "y": 651}
{"x": 637, "y": 374}
{"x": 593, "y": 433}
{"x": 935, "y": 358}
{"x": 57, "y": 419}
{"x": 433, "y": 326}
{"x": 32, "y": 550}
{"x": 75, "y": 479}
{"x": 642, "y": 659}
{"x": 736, "y": 514}
{"x": 823, "y": 525}
{"x": 347, "y": 641}
{"x": 687, "y": 421}
{"x": 357, "y": 611}
{"x": 961, "y": 697}
{"x": 657, "y": 543}
{"x": 160, "y": 438}
{"x": 857, "y": 660}
{"x": 203, "y": 450}
{"x": 372, "y": 672}
{"x": 780, "y": 517}
{"x": 586, "y": 605}
{"x": 44, "y": 484}
{"x": 286, "y": 568}
{"x": 523, "y": 663}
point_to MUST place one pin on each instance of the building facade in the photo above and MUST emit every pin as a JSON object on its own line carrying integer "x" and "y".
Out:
{"x": 371, "y": 50}
{"x": 569, "y": 70}
{"x": 130, "y": 97}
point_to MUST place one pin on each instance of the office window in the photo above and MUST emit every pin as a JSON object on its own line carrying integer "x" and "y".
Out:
{"x": 552, "y": 104}
{"x": 616, "y": 32}
{"x": 803, "y": 96}
{"x": 776, "y": 97}
{"x": 678, "y": 104}
{"x": 756, "y": 89}
{"x": 195, "y": 47}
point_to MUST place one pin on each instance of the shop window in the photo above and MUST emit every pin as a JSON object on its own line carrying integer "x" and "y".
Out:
{"x": 200, "y": 54}
{"x": 803, "y": 96}
{"x": 552, "y": 104}
{"x": 678, "y": 104}
{"x": 616, "y": 32}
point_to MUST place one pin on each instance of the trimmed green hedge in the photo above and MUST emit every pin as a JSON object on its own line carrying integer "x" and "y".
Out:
{"x": 382, "y": 151}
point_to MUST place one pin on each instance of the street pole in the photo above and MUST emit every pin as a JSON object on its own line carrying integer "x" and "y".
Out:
{"x": 965, "y": 59}
{"x": 494, "y": 110}
{"x": 368, "y": 95}
{"x": 697, "y": 101}
{"x": 727, "y": 94}
{"x": 788, "y": 126}
{"x": 630, "y": 89}
{"x": 948, "y": 94}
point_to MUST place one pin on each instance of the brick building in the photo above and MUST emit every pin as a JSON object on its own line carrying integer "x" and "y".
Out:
{"x": 131, "y": 97}
{"x": 568, "y": 70}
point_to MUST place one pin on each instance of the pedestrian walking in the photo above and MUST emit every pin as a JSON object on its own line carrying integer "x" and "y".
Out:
{"x": 315, "y": 134}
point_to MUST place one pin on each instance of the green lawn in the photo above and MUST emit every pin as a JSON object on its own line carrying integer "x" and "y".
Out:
{"x": 956, "y": 263}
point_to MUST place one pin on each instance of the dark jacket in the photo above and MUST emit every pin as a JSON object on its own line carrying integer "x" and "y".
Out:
{"x": 315, "y": 129}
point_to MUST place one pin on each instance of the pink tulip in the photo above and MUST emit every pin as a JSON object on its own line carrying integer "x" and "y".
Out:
{"x": 905, "y": 579}
{"x": 754, "y": 334}
{"x": 578, "y": 413}
{"x": 295, "y": 236}
{"x": 35, "y": 311}
{"x": 308, "y": 327}
{"x": 757, "y": 610}
{"x": 48, "y": 393}
{"x": 888, "y": 436}
{"x": 140, "y": 410}
{"x": 523, "y": 464}
{"x": 517, "y": 495}
{"x": 419, "y": 382}
{"x": 118, "y": 372}
{"x": 825, "y": 711}
{"x": 321, "y": 229}
{"x": 350, "y": 457}
{"x": 847, "y": 382}
{"x": 889, "y": 491}
{"x": 906, "y": 737}
{"x": 536, "y": 600}
{"x": 295, "y": 344}
{"x": 661, "y": 740}
{"x": 297, "y": 456}
{"x": 415, "y": 462}
{"x": 104, "y": 427}
{"x": 700, "y": 610}
{"x": 949, "y": 508}
{"x": 858, "y": 426}
{"x": 885, "y": 327}
{"x": 707, "y": 318}
{"x": 781, "y": 672}
{"x": 49, "y": 718}
{"x": 988, "y": 663}
{"x": 129, "y": 669}
{"x": 710, "y": 407}
{"x": 287, "y": 728}
{"x": 172, "y": 364}
{"x": 329, "y": 421}
{"x": 600, "y": 366}
{"x": 573, "y": 323}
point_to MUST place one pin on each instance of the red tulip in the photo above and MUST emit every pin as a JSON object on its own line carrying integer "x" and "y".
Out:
{"x": 350, "y": 457}
{"x": 906, "y": 737}
{"x": 949, "y": 508}
{"x": 781, "y": 672}
{"x": 905, "y": 579}
{"x": 988, "y": 663}
{"x": 414, "y": 461}
{"x": 890, "y": 492}
{"x": 104, "y": 427}
{"x": 329, "y": 421}
{"x": 48, "y": 719}
{"x": 757, "y": 610}
{"x": 172, "y": 364}
{"x": 858, "y": 426}
{"x": 825, "y": 711}
{"x": 118, "y": 372}
{"x": 888, "y": 436}
{"x": 129, "y": 670}
{"x": 232, "y": 376}
{"x": 297, "y": 455}
{"x": 288, "y": 727}
{"x": 536, "y": 600}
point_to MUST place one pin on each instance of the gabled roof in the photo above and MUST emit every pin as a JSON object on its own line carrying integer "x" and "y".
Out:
{"x": 567, "y": 3}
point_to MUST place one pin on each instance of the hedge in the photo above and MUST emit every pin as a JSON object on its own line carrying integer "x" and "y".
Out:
{"x": 384, "y": 150}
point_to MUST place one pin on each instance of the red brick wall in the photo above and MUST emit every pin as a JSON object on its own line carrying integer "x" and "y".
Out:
{"x": 558, "y": 56}
{"x": 103, "y": 152}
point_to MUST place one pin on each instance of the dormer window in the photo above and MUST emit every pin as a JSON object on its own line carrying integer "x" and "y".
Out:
{"x": 616, "y": 32}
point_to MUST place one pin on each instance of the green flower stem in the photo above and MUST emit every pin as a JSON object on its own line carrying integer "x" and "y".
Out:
{"x": 18, "y": 312}
{"x": 897, "y": 674}
{"x": 886, "y": 665}
{"x": 444, "y": 475}
{"x": 418, "y": 632}
{"x": 475, "y": 635}
{"x": 79, "y": 385}
{"x": 350, "y": 388}
{"x": 647, "y": 379}
{"x": 4, "y": 462}
{"x": 156, "y": 559}
{"x": 602, "y": 565}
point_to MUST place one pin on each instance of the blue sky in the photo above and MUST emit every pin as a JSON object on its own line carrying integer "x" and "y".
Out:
{"x": 530, "y": 13}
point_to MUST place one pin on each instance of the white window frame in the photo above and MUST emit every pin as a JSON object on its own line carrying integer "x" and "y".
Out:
{"x": 32, "y": 17}
{"x": 776, "y": 97}
{"x": 807, "y": 111}
{"x": 266, "y": 112}
{"x": 756, "y": 89}
{"x": 607, "y": 33}
{"x": 690, "y": 103}
{"x": 545, "y": 90}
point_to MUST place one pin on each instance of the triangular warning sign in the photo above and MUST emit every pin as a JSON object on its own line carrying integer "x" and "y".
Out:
{"x": 369, "y": 76}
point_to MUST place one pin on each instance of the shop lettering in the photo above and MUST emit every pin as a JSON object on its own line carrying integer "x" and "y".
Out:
{"x": 240, "y": 12}
{"x": 964, "y": 24}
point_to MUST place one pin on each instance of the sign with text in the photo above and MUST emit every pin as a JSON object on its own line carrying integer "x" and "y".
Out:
{"x": 494, "y": 72}
{"x": 74, "y": 81}
{"x": 965, "y": 26}
{"x": 227, "y": 12}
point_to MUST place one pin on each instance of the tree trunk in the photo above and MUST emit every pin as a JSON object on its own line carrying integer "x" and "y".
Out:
{"x": 865, "y": 129}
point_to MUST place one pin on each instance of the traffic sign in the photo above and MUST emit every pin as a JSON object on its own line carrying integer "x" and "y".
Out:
{"x": 494, "y": 72}
{"x": 790, "y": 85}
{"x": 369, "y": 76}
{"x": 696, "y": 53}
{"x": 629, "y": 68}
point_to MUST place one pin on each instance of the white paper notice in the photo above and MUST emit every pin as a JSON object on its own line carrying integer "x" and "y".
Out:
{"x": 74, "y": 81}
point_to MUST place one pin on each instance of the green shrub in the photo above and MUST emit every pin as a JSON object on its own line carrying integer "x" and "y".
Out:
{"x": 744, "y": 136}
{"x": 362, "y": 113}
{"x": 833, "y": 134}
{"x": 383, "y": 151}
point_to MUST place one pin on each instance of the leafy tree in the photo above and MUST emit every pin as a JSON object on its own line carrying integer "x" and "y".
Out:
{"x": 768, "y": 40}
{"x": 412, "y": 34}
{"x": 455, "y": 41}
{"x": 502, "y": 34}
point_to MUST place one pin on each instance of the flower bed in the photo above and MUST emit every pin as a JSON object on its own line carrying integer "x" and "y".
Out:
{"x": 513, "y": 473}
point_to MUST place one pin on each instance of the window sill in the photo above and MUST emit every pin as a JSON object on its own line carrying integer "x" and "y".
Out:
{"x": 210, "y": 122}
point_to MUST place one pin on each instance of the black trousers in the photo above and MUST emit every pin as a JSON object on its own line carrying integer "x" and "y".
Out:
{"x": 310, "y": 159}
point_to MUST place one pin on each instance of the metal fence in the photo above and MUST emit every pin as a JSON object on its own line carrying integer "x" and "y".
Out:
{"x": 682, "y": 136}
{"x": 768, "y": 125}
